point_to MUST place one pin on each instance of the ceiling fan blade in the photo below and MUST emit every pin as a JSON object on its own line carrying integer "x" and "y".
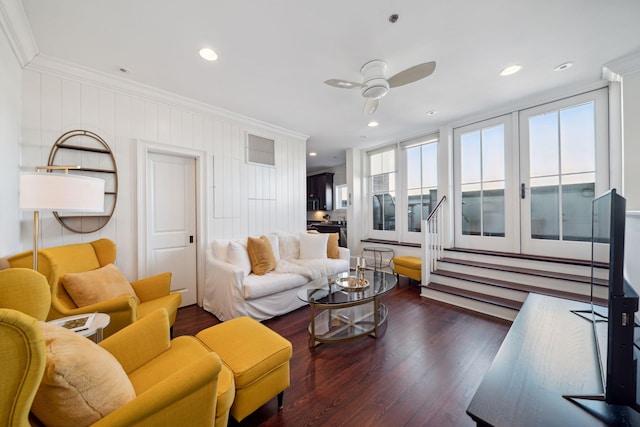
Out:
{"x": 370, "y": 106}
{"x": 412, "y": 74}
{"x": 342, "y": 84}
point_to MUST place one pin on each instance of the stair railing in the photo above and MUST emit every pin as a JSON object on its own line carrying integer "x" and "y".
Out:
{"x": 433, "y": 240}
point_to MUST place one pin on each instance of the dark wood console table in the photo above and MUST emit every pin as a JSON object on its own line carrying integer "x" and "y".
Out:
{"x": 548, "y": 352}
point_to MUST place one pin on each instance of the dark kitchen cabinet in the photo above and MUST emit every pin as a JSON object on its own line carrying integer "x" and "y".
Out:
{"x": 320, "y": 192}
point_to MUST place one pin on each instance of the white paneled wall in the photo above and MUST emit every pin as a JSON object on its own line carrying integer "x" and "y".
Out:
{"x": 240, "y": 199}
{"x": 10, "y": 74}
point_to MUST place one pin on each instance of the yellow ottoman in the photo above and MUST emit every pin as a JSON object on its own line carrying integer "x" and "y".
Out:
{"x": 257, "y": 356}
{"x": 408, "y": 266}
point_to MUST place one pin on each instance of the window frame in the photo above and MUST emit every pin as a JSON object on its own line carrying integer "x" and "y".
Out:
{"x": 373, "y": 233}
{"x": 400, "y": 234}
{"x": 405, "y": 234}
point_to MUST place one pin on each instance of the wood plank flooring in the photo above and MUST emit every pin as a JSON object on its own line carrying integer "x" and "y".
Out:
{"x": 421, "y": 371}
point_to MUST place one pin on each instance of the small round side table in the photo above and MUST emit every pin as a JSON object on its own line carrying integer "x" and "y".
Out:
{"x": 378, "y": 252}
{"x": 95, "y": 329}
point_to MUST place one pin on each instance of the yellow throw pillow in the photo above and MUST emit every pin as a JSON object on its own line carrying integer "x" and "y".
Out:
{"x": 261, "y": 255}
{"x": 333, "y": 245}
{"x": 82, "y": 382}
{"x": 102, "y": 284}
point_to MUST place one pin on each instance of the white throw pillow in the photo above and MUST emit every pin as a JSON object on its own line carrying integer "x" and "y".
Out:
{"x": 275, "y": 245}
{"x": 237, "y": 255}
{"x": 313, "y": 246}
{"x": 289, "y": 245}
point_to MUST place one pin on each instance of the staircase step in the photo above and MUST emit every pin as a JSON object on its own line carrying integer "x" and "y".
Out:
{"x": 569, "y": 261}
{"x": 492, "y": 310}
{"x": 521, "y": 261}
{"x": 527, "y": 271}
{"x": 513, "y": 286}
{"x": 477, "y": 296}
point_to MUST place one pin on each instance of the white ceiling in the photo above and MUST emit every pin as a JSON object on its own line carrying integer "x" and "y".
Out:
{"x": 275, "y": 55}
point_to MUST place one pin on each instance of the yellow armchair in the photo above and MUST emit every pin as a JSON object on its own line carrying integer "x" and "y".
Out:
{"x": 54, "y": 263}
{"x": 175, "y": 380}
{"x": 23, "y": 357}
{"x": 25, "y": 290}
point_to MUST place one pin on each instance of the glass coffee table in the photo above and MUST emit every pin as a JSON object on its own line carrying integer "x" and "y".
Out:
{"x": 347, "y": 309}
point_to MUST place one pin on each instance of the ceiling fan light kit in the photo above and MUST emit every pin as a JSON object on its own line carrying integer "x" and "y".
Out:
{"x": 375, "y": 88}
{"x": 375, "y": 85}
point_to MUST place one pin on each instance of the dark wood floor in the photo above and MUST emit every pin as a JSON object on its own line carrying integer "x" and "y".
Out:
{"x": 422, "y": 371}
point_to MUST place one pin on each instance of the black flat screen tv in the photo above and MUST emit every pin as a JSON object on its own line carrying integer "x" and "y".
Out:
{"x": 614, "y": 324}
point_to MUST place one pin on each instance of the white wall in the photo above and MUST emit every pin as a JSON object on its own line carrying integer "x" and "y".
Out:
{"x": 10, "y": 76}
{"x": 631, "y": 135}
{"x": 240, "y": 199}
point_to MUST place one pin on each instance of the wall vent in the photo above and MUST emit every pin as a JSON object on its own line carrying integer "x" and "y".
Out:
{"x": 260, "y": 150}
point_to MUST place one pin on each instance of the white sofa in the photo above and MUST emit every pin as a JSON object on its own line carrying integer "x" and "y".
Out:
{"x": 232, "y": 290}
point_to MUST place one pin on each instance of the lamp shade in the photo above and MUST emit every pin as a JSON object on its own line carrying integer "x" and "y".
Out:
{"x": 61, "y": 192}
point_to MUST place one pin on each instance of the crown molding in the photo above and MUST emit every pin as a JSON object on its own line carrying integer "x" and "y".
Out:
{"x": 14, "y": 22}
{"x": 67, "y": 70}
{"x": 618, "y": 68}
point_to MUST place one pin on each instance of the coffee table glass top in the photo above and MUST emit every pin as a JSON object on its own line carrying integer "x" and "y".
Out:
{"x": 327, "y": 291}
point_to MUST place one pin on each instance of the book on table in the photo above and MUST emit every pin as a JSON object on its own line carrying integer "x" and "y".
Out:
{"x": 78, "y": 323}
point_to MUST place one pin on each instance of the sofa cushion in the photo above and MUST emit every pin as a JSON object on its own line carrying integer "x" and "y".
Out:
{"x": 82, "y": 382}
{"x": 313, "y": 246}
{"x": 102, "y": 284}
{"x": 237, "y": 255}
{"x": 260, "y": 286}
{"x": 261, "y": 255}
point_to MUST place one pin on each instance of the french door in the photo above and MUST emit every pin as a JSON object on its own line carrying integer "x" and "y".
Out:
{"x": 530, "y": 190}
{"x": 486, "y": 186}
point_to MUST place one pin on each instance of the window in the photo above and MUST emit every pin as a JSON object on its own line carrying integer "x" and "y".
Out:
{"x": 483, "y": 181}
{"x": 382, "y": 167}
{"x": 342, "y": 196}
{"x": 399, "y": 202}
{"x": 422, "y": 182}
{"x": 562, "y": 172}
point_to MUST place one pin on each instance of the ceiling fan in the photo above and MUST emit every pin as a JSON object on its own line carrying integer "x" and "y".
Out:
{"x": 375, "y": 85}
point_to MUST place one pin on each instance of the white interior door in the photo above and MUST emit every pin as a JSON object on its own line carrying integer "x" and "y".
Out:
{"x": 171, "y": 221}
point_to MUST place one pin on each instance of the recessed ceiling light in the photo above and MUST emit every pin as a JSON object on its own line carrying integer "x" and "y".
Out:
{"x": 511, "y": 69}
{"x": 432, "y": 113}
{"x": 372, "y": 124}
{"x": 208, "y": 54}
{"x": 564, "y": 66}
{"x": 313, "y": 154}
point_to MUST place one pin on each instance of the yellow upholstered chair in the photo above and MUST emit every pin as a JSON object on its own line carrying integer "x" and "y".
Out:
{"x": 175, "y": 381}
{"x": 54, "y": 263}
{"x": 22, "y": 353}
{"x": 25, "y": 290}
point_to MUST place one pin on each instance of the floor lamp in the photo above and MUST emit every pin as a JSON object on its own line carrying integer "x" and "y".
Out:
{"x": 47, "y": 190}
